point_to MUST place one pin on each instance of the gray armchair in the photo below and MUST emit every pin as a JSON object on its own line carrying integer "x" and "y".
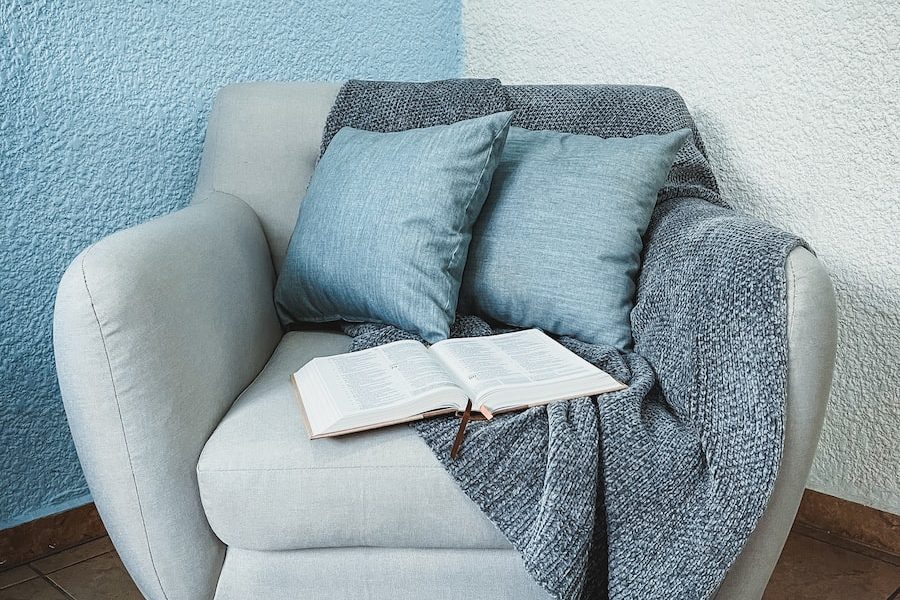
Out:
{"x": 174, "y": 374}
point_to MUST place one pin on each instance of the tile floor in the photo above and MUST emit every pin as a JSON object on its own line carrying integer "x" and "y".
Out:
{"x": 809, "y": 569}
{"x": 89, "y": 571}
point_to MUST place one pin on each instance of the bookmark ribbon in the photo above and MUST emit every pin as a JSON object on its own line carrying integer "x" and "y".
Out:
{"x": 464, "y": 419}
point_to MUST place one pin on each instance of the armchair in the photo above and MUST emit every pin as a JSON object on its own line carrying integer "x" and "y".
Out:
{"x": 174, "y": 375}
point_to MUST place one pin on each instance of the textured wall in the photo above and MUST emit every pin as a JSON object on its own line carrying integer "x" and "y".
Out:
{"x": 102, "y": 113}
{"x": 798, "y": 106}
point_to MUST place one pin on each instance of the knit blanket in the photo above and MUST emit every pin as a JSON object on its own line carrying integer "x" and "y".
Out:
{"x": 650, "y": 492}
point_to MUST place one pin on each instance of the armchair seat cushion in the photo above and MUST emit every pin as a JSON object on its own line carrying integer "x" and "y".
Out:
{"x": 266, "y": 486}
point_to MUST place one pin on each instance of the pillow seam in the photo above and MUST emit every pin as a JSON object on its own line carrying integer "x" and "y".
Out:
{"x": 459, "y": 232}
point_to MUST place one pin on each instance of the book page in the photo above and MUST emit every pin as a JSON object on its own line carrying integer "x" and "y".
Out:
{"x": 512, "y": 359}
{"x": 387, "y": 375}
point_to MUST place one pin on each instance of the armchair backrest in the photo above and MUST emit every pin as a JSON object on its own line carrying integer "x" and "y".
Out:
{"x": 261, "y": 145}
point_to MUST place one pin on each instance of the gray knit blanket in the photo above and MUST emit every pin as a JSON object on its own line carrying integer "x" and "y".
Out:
{"x": 650, "y": 492}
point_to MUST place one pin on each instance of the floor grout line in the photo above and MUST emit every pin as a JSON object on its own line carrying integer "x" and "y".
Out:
{"x": 77, "y": 562}
{"x": 848, "y": 545}
{"x": 58, "y": 588}
{"x": 32, "y": 566}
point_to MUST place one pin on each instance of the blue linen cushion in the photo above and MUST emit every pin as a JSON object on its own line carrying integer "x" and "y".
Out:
{"x": 558, "y": 243}
{"x": 384, "y": 229}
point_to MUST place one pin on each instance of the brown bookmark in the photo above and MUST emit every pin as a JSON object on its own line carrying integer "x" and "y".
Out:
{"x": 461, "y": 432}
{"x": 464, "y": 418}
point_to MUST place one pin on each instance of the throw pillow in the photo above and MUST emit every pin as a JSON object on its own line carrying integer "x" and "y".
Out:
{"x": 384, "y": 229}
{"x": 558, "y": 243}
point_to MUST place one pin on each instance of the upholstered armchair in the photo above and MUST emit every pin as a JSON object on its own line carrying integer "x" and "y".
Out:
{"x": 174, "y": 374}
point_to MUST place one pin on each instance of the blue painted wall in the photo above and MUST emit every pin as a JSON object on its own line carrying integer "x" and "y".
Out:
{"x": 103, "y": 106}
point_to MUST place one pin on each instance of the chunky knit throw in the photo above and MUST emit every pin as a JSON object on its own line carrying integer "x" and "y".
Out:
{"x": 650, "y": 492}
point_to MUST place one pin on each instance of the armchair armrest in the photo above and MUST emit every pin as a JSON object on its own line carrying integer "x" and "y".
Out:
{"x": 812, "y": 336}
{"x": 810, "y": 324}
{"x": 157, "y": 329}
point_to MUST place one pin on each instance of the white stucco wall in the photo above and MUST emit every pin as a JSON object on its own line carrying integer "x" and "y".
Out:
{"x": 798, "y": 103}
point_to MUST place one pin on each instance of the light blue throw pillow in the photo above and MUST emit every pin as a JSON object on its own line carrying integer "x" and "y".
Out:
{"x": 558, "y": 243}
{"x": 384, "y": 229}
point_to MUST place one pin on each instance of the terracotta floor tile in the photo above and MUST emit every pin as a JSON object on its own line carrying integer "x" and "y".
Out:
{"x": 100, "y": 578}
{"x": 34, "y": 589}
{"x": 63, "y": 559}
{"x": 14, "y": 576}
{"x": 813, "y": 570}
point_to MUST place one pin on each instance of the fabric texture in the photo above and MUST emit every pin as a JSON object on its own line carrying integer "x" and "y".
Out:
{"x": 376, "y": 574}
{"x": 650, "y": 492}
{"x": 261, "y": 145}
{"x": 812, "y": 340}
{"x": 266, "y": 486}
{"x": 558, "y": 243}
{"x": 417, "y": 104}
{"x": 384, "y": 229}
{"x": 156, "y": 331}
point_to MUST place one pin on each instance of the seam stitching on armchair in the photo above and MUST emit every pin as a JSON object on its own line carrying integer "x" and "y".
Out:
{"x": 230, "y": 195}
{"x": 314, "y": 469}
{"x": 792, "y": 299}
{"x": 112, "y": 380}
{"x": 213, "y": 190}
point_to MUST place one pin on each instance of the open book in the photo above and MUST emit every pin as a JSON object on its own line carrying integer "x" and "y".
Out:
{"x": 404, "y": 381}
